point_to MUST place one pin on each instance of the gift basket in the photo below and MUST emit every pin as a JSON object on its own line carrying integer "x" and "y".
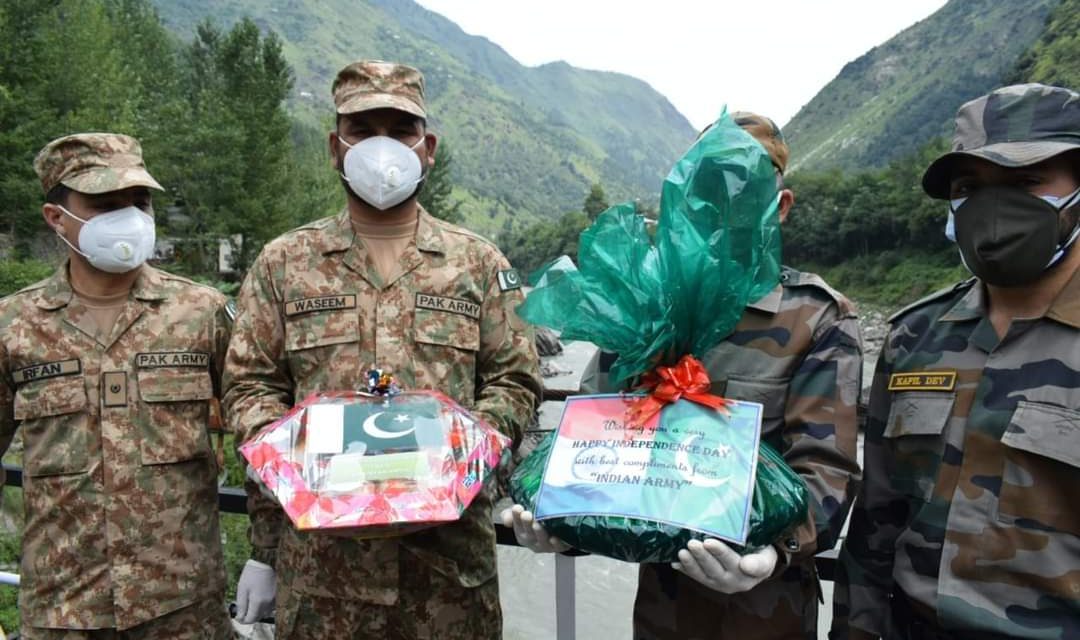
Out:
{"x": 636, "y": 476}
{"x": 382, "y": 463}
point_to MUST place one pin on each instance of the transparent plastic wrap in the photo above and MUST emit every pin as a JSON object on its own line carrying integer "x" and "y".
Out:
{"x": 659, "y": 302}
{"x": 778, "y": 503}
{"x": 383, "y": 466}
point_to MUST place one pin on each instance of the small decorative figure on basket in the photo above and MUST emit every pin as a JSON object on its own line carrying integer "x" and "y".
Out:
{"x": 382, "y": 383}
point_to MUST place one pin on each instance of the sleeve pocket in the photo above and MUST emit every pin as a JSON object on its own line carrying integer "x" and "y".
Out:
{"x": 771, "y": 394}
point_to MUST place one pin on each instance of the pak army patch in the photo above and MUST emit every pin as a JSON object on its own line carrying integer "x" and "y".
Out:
{"x": 452, "y": 305}
{"x": 509, "y": 279}
{"x": 923, "y": 381}
{"x": 172, "y": 359}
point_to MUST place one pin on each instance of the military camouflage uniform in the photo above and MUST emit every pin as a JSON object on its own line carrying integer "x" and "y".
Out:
{"x": 968, "y": 519}
{"x": 797, "y": 352}
{"x": 967, "y": 525}
{"x": 120, "y": 485}
{"x": 314, "y": 315}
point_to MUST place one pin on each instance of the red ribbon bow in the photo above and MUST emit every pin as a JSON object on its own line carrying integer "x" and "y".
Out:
{"x": 666, "y": 385}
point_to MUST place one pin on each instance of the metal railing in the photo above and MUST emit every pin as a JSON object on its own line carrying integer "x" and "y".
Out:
{"x": 233, "y": 500}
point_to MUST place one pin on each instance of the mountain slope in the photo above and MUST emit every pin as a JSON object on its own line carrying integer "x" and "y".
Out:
{"x": 899, "y": 95}
{"x": 526, "y": 141}
{"x": 1055, "y": 56}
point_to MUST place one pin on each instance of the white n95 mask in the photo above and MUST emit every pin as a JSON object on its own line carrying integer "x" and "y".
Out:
{"x": 117, "y": 241}
{"x": 382, "y": 171}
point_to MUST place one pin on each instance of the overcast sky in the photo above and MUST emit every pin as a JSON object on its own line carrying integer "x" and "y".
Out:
{"x": 769, "y": 56}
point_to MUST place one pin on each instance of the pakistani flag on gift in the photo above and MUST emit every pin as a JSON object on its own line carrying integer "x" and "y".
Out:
{"x": 393, "y": 427}
{"x": 688, "y": 467}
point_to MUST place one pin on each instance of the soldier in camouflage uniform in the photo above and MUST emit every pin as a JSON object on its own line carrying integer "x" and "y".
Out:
{"x": 109, "y": 371}
{"x": 796, "y": 351}
{"x": 967, "y": 525}
{"x": 381, "y": 284}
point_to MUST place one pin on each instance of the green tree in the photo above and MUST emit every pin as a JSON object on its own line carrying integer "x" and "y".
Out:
{"x": 233, "y": 161}
{"x": 435, "y": 194}
{"x": 596, "y": 202}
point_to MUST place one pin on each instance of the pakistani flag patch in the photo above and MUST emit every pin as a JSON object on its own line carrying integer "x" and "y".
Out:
{"x": 509, "y": 280}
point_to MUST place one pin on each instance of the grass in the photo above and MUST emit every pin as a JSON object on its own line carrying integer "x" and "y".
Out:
{"x": 893, "y": 279}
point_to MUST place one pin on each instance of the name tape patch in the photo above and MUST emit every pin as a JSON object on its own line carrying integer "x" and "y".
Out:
{"x": 923, "y": 381}
{"x": 172, "y": 359}
{"x": 451, "y": 305}
{"x": 46, "y": 370}
{"x": 320, "y": 303}
{"x": 509, "y": 280}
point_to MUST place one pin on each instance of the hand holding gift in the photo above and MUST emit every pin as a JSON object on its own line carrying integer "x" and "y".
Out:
{"x": 530, "y": 533}
{"x": 719, "y": 567}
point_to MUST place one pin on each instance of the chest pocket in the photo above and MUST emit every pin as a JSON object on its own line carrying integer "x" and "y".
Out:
{"x": 54, "y": 422}
{"x": 313, "y": 340}
{"x": 446, "y": 329}
{"x": 1041, "y": 468}
{"x": 914, "y": 430}
{"x": 771, "y": 393}
{"x": 446, "y": 345}
{"x": 174, "y": 411}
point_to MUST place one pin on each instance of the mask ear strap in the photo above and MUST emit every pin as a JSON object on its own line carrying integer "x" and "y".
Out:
{"x": 73, "y": 247}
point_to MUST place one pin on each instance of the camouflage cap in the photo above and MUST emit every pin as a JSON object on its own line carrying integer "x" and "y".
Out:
{"x": 767, "y": 133}
{"x": 1014, "y": 126}
{"x": 93, "y": 163}
{"x": 374, "y": 84}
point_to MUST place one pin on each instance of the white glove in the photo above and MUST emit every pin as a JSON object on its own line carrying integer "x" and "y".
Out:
{"x": 255, "y": 592}
{"x": 718, "y": 567}
{"x": 529, "y": 533}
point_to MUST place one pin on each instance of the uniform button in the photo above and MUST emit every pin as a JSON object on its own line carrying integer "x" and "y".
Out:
{"x": 791, "y": 544}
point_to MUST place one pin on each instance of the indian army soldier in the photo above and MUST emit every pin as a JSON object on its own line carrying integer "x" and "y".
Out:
{"x": 109, "y": 367}
{"x": 382, "y": 284}
{"x": 967, "y": 525}
{"x": 796, "y": 351}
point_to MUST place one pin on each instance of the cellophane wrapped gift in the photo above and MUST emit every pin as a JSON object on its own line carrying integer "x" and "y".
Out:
{"x": 660, "y": 299}
{"x": 375, "y": 466}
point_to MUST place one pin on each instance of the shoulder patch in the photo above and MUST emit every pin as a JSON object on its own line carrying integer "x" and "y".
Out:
{"x": 509, "y": 279}
{"x": 937, "y": 295}
{"x": 793, "y": 278}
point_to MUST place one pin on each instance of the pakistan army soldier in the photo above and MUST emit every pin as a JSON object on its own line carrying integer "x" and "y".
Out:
{"x": 382, "y": 284}
{"x": 796, "y": 351}
{"x": 108, "y": 369}
{"x": 968, "y": 524}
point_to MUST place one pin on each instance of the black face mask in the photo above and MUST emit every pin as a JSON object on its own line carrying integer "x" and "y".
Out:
{"x": 1007, "y": 236}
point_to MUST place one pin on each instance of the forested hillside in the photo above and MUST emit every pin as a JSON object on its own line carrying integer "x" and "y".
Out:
{"x": 528, "y": 142}
{"x": 899, "y": 95}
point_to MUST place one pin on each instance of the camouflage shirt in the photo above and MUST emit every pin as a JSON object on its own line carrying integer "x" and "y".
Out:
{"x": 119, "y": 482}
{"x": 314, "y": 315}
{"x": 796, "y": 351}
{"x": 972, "y": 463}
